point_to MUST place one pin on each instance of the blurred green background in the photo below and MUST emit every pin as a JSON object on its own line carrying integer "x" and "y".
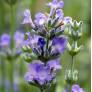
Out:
{"x": 11, "y": 18}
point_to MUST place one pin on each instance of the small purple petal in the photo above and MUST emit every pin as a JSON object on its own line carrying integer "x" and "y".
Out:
{"x": 41, "y": 42}
{"x": 76, "y": 88}
{"x": 18, "y": 38}
{"x": 5, "y": 40}
{"x": 54, "y": 6}
{"x": 61, "y": 4}
{"x": 67, "y": 20}
{"x": 40, "y": 19}
{"x": 54, "y": 64}
{"x": 59, "y": 44}
{"x": 27, "y": 18}
{"x": 59, "y": 14}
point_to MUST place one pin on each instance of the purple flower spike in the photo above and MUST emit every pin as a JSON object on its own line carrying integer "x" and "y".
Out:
{"x": 40, "y": 19}
{"x": 54, "y": 64}
{"x": 19, "y": 39}
{"x": 5, "y": 40}
{"x": 27, "y": 18}
{"x": 59, "y": 44}
{"x": 76, "y": 88}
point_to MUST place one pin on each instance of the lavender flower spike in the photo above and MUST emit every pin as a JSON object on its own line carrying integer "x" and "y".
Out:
{"x": 76, "y": 88}
{"x": 27, "y": 18}
{"x": 5, "y": 40}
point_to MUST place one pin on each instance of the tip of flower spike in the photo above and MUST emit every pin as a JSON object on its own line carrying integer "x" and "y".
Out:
{"x": 27, "y": 13}
{"x": 55, "y": 4}
{"x": 27, "y": 19}
{"x": 61, "y": 4}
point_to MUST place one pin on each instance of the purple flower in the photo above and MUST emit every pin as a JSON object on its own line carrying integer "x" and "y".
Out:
{"x": 59, "y": 44}
{"x": 27, "y": 18}
{"x": 40, "y": 19}
{"x": 35, "y": 41}
{"x": 41, "y": 42}
{"x": 38, "y": 72}
{"x": 31, "y": 75}
{"x": 76, "y": 88}
{"x": 5, "y": 40}
{"x": 55, "y": 5}
{"x": 7, "y": 85}
{"x": 54, "y": 64}
{"x": 18, "y": 38}
{"x": 59, "y": 14}
{"x": 67, "y": 20}
{"x": 32, "y": 41}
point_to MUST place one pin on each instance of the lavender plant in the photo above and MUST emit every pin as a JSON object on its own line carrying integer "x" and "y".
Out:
{"x": 10, "y": 54}
{"x": 46, "y": 42}
{"x": 5, "y": 45}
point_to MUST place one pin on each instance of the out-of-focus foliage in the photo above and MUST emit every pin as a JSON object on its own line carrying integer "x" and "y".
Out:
{"x": 77, "y": 9}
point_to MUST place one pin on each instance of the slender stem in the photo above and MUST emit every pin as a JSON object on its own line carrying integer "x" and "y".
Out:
{"x": 12, "y": 24}
{"x": 11, "y": 68}
{"x": 72, "y": 65}
{"x": 72, "y": 69}
{"x": 2, "y": 17}
{"x": 3, "y": 75}
{"x": 42, "y": 90}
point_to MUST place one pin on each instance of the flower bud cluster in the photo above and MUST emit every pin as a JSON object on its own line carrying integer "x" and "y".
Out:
{"x": 74, "y": 33}
{"x": 71, "y": 77}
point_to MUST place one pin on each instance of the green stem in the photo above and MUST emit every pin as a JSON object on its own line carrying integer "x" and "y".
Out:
{"x": 12, "y": 24}
{"x": 3, "y": 75}
{"x": 42, "y": 90}
{"x": 72, "y": 65}
{"x": 72, "y": 69}
{"x": 11, "y": 68}
{"x": 2, "y": 17}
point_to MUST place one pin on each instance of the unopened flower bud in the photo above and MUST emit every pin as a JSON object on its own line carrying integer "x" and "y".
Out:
{"x": 71, "y": 76}
{"x": 27, "y": 58}
{"x": 76, "y": 25}
{"x": 26, "y": 48}
{"x": 74, "y": 49}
